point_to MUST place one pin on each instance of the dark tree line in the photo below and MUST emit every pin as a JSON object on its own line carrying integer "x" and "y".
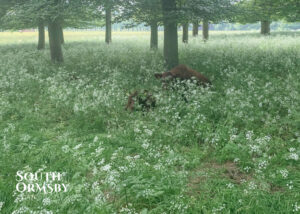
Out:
{"x": 59, "y": 14}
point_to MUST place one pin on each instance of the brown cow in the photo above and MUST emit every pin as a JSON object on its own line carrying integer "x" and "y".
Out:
{"x": 144, "y": 100}
{"x": 182, "y": 72}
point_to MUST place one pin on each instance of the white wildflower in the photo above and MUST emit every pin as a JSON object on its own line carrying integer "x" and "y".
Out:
{"x": 296, "y": 207}
{"x": 236, "y": 160}
{"x": 100, "y": 198}
{"x": 106, "y": 167}
{"x": 77, "y": 146}
{"x": 95, "y": 139}
{"x": 293, "y": 156}
{"x": 215, "y": 210}
{"x": 101, "y": 162}
{"x": 76, "y": 108}
{"x": 25, "y": 138}
{"x": 148, "y": 192}
{"x": 263, "y": 164}
{"x": 95, "y": 185}
{"x": 252, "y": 185}
{"x": 247, "y": 168}
{"x": 290, "y": 185}
{"x": 46, "y": 201}
{"x": 148, "y": 132}
{"x": 284, "y": 173}
{"x": 65, "y": 148}
{"x": 123, "y": 168}
{"x": 136, "y": 157}
{"x": 1, "y": 205}
{"x": 145, "y": 145}
{"x": 233, "y": 137}
{"x": 254, "y": 149}
{"x": 137, "y": 130}
{"x": 99, "y": 151}
{"x": 230, "y": 185}
{"x": 21, "y": 210}
{"x": 292, "y": 149}
{"x": 249, "y": 135}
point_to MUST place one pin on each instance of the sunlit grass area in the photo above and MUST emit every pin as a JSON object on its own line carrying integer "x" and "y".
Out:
{"x": 230, "y": 148}
{"x": 71, "y": 36}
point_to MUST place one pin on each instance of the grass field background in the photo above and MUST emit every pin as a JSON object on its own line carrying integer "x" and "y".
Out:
{"x": 231, "y": 148}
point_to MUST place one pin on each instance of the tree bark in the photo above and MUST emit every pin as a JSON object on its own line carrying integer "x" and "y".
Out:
{"x": 195, "y": 28}
{"x": 154, "y": 35}
{"x": 170, "y": 33}
{"x": 55, "y": 41}
{"x": 265, "y": 27}
{"x": 205, "y": 30}
{"x": 185, "y": 33}
{"x": 108, "y": 25}
{"x": 41, "y": 42}
{"x": 61, "y": 32}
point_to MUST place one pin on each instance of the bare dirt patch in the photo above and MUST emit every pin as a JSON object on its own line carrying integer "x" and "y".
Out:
{"x": 213, "y": 170}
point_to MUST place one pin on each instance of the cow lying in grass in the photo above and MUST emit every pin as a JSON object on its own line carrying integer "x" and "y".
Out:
{"x": 182, "y": 72}
{"x": 140, "y": 101}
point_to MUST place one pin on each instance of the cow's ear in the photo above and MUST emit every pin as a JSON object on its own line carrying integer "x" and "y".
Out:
{"x": 158, "y": 76}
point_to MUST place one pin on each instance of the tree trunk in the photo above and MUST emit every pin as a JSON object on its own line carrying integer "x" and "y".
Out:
{"x": 61, "y": 33}
{"x": 108, "y": 25}
{"x": 154, "y": 35}
{"x": 41, "y": 42}
{"x": 170, "y": 33}
{"x": 265, "y": 27}
{"x": 55, "y": 41}
{"x": 185, "y": 33}
{"x": 205, "y": 30}
{"x": 195, "y": 28}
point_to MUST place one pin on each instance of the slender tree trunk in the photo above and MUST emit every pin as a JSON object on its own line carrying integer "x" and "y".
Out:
{"x": 41, "y": 42}
{"x": 265, "y": 27}
{"x": 195, "y": 28}
{"x": 205, "y": 30}
{"x": 61, "y": 32}
{"x": 108, "y": 25}
{"x": 55, "y": 41}
{"x": 154, "y": 35}
{"x": 185, "y": 33}
{"x": 170, "y": 33}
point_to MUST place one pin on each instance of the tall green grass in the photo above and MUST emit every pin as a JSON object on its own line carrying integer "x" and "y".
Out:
{"x": 231, "y": 148}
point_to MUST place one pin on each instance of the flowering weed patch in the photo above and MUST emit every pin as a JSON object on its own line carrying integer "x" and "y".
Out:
{"x": 230, "y": 148}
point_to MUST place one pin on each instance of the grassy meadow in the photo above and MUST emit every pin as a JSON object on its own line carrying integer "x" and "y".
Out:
{"x": 230, "y": 148}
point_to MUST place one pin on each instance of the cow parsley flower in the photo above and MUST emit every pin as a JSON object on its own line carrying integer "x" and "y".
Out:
{"x": 145, "y": 145}
{"x": 148, "y": 132}
{"x": 236, "y": 160}
{"x": 290, "y": 185}
{"x": 263, "y": 164}
{"x": 252, "y": 185}
{"x": 230, "y": 185}
{"x": 77, "y": 146}
{"x": 284, "y": 173}
{"x": 292, "y": 149}
{"x": 46, "y": 201}
{"x": 95, "y": 139}
{"x": 293, "y": 156}
{"x": 1, "y": 205}
{"x": 296, "y": 207}
{"x": 65, "y": 148}
{"x": 106, "y": 167}
{"x": 249, "y": 135}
